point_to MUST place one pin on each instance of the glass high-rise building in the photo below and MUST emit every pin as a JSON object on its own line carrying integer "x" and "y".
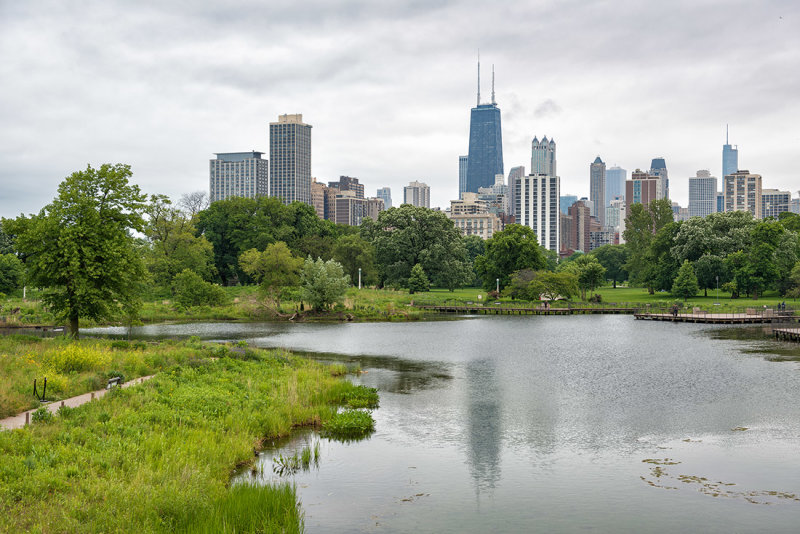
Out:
{"x": 565, "y": 201}
{"x": 514, "y": 175}
{"x": 485, "y": 159}
{"x": 386, "y": 194}
{"x": 730, "y": 157}
{"x": 615, "y": 183}
{"x": 462, "y": 174}
{"x": 597, "y": 189}
{"x": 702, "y": 194}
{"x": 238, "y": 174}
{"x": 290, "y": 159}
{"x": 658, "y": 168}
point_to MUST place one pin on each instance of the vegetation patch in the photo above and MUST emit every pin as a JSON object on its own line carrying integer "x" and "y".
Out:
{"x": 349, "y": 425}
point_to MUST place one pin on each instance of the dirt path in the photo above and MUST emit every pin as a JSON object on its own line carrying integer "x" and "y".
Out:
{"x": 18, "y": 421}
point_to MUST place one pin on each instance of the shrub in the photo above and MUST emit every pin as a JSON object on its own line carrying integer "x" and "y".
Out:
{"x": 350, "y": 424}
{"x": 77, "y": 357}
{"x": 42, "y": 415}
{"x": 192, "y": 290}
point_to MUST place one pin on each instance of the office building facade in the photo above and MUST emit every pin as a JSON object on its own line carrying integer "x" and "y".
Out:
{"x": 565, "y": 201}
{"x": 543, "y": 157}
{"x": 730, "y": 157}
{"x": 615, "y": 183}
{"x": 417, "y": 194}
{"x": 743, "y": 192}
{"x": 702, "y": 194}
{"x": 775, "y": 202}
{"x": 514, "y": 175}
{"x": 642, "y": 188}
{"x": 348, "y": 183}
{"x": 385, "y": 193}
{"x": 537, "y": 199}
{"x": 658, "y": 168}
{"x": 462, "y": 174}
{"x": 238, "y": 174}
{"x": 485, "y": 157}
{"x": 597, "y": 189}
{"x": 290, "y": 159}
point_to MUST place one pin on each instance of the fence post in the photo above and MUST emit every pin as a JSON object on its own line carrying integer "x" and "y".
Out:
{"x": 27, "y": 418}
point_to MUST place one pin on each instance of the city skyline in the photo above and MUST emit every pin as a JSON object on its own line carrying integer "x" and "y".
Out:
{"x": 169, "y": 87}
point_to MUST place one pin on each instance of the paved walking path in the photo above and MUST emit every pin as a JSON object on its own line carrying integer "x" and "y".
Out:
{"x": 18, "y": 421}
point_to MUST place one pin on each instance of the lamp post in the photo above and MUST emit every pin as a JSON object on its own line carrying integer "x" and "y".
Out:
{"x": 359, "y": 278}
{"x": 498, "y": 287}
{"x": 717, "y": 290}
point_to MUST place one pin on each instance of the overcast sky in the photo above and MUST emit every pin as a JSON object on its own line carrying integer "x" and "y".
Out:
{"x": 388, "y": 87}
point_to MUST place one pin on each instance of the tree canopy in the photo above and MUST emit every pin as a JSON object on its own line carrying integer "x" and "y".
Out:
{"x": 80, "y": 247}
{"x": 513, "y": 249}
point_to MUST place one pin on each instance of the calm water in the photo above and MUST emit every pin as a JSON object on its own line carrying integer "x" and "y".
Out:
{"x": 570, "y": 424}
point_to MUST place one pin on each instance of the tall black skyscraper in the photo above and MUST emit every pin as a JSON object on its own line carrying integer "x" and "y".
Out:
{"x": 485, "y": 158}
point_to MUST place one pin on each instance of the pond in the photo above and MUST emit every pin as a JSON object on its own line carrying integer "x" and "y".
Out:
{"x": 577, "y": 423}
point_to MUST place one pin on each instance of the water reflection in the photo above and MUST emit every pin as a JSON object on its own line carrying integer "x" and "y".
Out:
{"x": 484, "y": 423}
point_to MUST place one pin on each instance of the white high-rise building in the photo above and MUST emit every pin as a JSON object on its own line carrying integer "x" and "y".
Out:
{"x": 238, "y": 174}
{"x": 774, "y": 202}
{"x": 543, "y": 156}
{"x": 702, "y": 194}
{"x": 537, "y": 206}
{"x": 290, "y": 159}
{"x": 417, "y": 194}
{"x": 743, "y": 192}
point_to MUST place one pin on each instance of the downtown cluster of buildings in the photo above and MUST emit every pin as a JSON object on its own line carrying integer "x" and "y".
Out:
{"x": 565, "y": 223}
{"x": 287, "y": 175}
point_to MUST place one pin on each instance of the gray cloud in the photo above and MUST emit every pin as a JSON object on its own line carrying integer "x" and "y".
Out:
{"x": 388, "y": 87}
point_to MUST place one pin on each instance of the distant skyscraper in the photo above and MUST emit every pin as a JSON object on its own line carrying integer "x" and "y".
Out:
{"x": 642, "y": 188}
{"x": 543, "y": 156}
{"x": 721, "y": 201}
{"x": 485, "y": 158}
{"x": 537, "y": 199}
{"x": 514, "y": 175}
{"x": 615, "y": 183}
{"x": 290, "y": 159}
{"x": 238, "y": 174}
{"x": 348, "y": 183}
{"x": 794, "y": 205}
{"x": 730, "y": 157}
{"x": 658, "y": 168}
{"x": 743, "y": 192}
{"x": 597, "y": 189}
{"x": 417, "y": 194}
{"x": 702, "y": 194}
{"x": 774, "y": 202}
{"x": 386, "y": 194}
{"x": 565, "y": 201}
{"x": 462, "y": 174}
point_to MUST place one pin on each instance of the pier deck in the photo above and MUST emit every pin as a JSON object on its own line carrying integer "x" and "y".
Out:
{"x": 787, "y": 334}
{"x": 719, "y": 318}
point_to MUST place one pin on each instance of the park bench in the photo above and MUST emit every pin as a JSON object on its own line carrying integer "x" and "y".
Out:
{"x": 116, "y": 381}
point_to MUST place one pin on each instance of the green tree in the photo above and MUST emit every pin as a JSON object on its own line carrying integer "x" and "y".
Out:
{"x": 408, "y": 235}
{"x": 6, "y": 242}
{"x": 12, "y": 273}
{"x": 475, "y": 246}
{"x": 685, "y": 285}
{"x": 549, "y": 285}
{"x": 355, "y": 253}
{"x": 519, "y": 285}
{"x": 511, "y": 250}
{"x": 191, "y": 290}
{"x": 707, "y": 269}
{"x": 589, "y": 272}
{"x": 663, "y": 265}
{"x": 641, "y": 226}
{"x": 173, "y": 245}
{"x": 273, "y": 268}
{"x": 324, "y": 283}
{"x": 613, "y": 258}
{"x": 80, "y": 247}
{"x": 418, "y": 281}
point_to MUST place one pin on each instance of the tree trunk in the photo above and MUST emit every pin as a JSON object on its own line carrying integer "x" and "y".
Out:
{"x": 73, "y": 326}
{"x": 615, "y": 283}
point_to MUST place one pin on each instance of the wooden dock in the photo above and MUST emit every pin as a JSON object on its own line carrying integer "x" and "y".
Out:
{"x": 507, "y": 310}
{"x": 787, "y": 334}
{"x": 719, "y": 318}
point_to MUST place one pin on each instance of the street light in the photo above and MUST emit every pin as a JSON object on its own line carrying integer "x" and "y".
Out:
{"x": 717, "y": 303}
{"x": 359, "y": 278}
{"x": 498, "y": 287}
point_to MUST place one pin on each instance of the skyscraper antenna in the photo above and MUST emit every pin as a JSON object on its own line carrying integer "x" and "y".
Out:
{"x": 479, "y": 76}
{"x": 493, "y": 102}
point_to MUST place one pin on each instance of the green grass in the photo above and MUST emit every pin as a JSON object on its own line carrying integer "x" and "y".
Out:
{"x": 349, "y": 424}
{"x": 158, "y": 457}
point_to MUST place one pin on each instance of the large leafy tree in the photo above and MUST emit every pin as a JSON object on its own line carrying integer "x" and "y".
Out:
{"x": 80, "y": 248}
{"x": 549, "y": 285}
{"x": 613, "y": 258}
{"x": 685, "y": 284}
{"x": 174, "y": 245}
{"x": 12, "y": 273}
{"x": 589, "y": 272}
{"x": 324, "y": 283}
{"x": 408, "y": 235}
{"x": 235, "y": 225}
{"x": 355, "y": 253}
{"x": 711, "y": 272}
{"x": 6, "y": 242}
{"x": 641, "y": 226}
{"x": 513, "y": 249}
{"x": 274, "y": 268}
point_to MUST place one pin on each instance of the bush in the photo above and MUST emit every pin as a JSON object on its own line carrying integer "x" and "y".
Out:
{"x": 191, "y": 290}
{"x": 77, "y": 357}
{"x": 42, "y": 415}
{"x": 350, "y": 424}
